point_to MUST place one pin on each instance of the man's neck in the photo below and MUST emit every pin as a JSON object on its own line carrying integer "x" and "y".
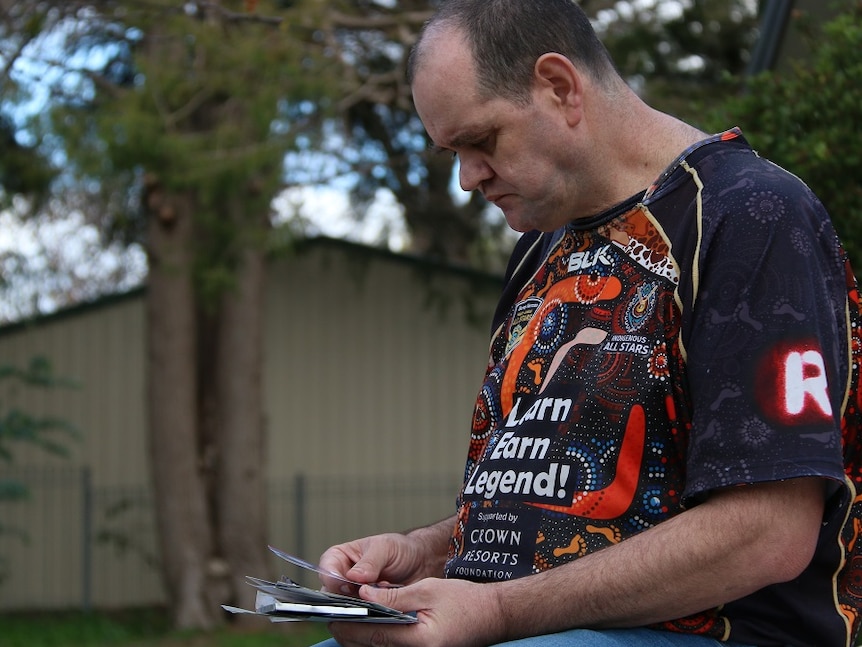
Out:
{"x": 642, "y": 142}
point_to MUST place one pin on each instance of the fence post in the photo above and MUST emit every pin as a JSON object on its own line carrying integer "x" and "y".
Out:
{"x": 299, "y": 519}
{"x": 86, "y": 539}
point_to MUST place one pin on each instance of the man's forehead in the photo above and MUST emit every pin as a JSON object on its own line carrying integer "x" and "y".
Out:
{"x": 444, "y": 50}
{"x": 445, "y": 92}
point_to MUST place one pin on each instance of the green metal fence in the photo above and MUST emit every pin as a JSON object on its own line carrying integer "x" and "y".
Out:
{"x": 76, "y": 545}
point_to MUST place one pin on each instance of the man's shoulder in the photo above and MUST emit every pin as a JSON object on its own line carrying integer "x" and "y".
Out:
{"x": 734, "y": 165}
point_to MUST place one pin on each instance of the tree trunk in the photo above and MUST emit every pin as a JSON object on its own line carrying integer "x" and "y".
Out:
{"x": 240, "y": 483}
{"x": 439, "y": 227}
{"x": 181, "y": 514}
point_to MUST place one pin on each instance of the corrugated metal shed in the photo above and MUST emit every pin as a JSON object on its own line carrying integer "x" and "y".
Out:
{"x": 372, "y": 364}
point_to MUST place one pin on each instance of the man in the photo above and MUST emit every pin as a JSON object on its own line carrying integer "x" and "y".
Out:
{"x": 657, "y": 454}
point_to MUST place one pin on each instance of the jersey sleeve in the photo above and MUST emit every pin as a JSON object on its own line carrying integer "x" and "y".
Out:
{"x": 765, "y": 334}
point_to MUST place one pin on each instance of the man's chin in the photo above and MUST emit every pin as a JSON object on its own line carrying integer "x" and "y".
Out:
{"x": 517, "y": 221}
{"x": 524, "y": 224}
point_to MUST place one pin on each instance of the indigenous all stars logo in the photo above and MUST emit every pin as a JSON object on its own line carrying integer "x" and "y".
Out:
{"x": 524, "y": 312}
{"x": 792, "y": 385}
{"x": 641, "y": 307}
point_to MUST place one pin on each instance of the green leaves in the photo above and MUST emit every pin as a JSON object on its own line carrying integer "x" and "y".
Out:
{"x": 17, "y": 427}
{"x": 806, "y": 119}
{"x": 48, "y": 433}
{"x": 22, "y": 169}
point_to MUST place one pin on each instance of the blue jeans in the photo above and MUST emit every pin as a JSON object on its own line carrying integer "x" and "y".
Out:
{"x": 606, "y": 638}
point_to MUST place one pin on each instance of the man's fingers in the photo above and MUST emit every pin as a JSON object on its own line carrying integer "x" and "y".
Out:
{"x": 366, "y": 570}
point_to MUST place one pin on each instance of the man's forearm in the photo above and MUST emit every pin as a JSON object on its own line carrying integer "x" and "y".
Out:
{"x": 720, "y": 551}
{"x": 434, "y": 540}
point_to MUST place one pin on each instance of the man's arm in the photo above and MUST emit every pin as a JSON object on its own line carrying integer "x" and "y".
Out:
{"x": 434, "y": 540}
{"x": 740, "y": 540}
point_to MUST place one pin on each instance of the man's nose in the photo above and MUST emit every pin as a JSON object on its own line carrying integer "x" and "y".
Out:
{"x": 473, "y": 171}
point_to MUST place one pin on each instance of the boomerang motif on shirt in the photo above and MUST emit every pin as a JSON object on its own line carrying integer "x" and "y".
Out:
{"x": 611, "y": 502}
{"x": 598, "y": 289}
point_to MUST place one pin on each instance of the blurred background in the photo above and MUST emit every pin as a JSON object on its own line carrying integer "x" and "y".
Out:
{"x": 240, "y": 302}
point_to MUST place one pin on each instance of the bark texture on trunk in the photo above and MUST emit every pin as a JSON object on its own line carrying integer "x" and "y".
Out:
{"x": 184, "y": 529}
{"x": 240, "y": 483}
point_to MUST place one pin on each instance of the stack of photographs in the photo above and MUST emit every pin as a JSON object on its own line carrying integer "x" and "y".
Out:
{"x": 287, "y": 601}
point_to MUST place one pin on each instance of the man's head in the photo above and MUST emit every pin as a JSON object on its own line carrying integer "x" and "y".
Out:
{"x": 507, "y": 37}
{"x": 525, "y": 119}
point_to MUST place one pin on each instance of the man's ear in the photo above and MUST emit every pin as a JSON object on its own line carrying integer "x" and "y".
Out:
{"x": 555, "y": 73}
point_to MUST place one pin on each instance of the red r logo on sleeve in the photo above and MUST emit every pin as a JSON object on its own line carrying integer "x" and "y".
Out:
{"x": 792, "y": 385}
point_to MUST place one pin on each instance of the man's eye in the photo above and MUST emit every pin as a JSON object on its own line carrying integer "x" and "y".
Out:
{"x": 439, "y": 150}
{"x": 486, "y": 144}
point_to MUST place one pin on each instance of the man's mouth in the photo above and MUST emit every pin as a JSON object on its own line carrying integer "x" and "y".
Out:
{"x": 496, "y": 198}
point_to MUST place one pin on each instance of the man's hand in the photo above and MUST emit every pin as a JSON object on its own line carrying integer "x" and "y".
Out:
{"x": 450, "y": 613}
{"x": 390, "y": 558}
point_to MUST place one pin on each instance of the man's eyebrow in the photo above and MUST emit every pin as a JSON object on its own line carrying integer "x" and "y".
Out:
{"x": 465, "y": 138}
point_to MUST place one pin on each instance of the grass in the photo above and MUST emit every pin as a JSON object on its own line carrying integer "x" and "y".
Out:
{"x": 144, "y": 628}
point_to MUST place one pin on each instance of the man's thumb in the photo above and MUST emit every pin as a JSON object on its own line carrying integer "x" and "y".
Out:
{"x": 388, "y": 596}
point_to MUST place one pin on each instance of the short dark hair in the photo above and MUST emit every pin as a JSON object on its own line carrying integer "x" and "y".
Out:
{"x": 506, "y": 38}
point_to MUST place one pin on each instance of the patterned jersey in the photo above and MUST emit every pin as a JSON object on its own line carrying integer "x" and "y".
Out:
{"x": 703, "y": 335}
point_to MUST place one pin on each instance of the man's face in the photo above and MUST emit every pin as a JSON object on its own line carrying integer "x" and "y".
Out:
{"x": 513, "y": 154}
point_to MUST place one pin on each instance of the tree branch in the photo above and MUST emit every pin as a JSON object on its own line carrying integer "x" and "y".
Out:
{"x": 379, "y": 21}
